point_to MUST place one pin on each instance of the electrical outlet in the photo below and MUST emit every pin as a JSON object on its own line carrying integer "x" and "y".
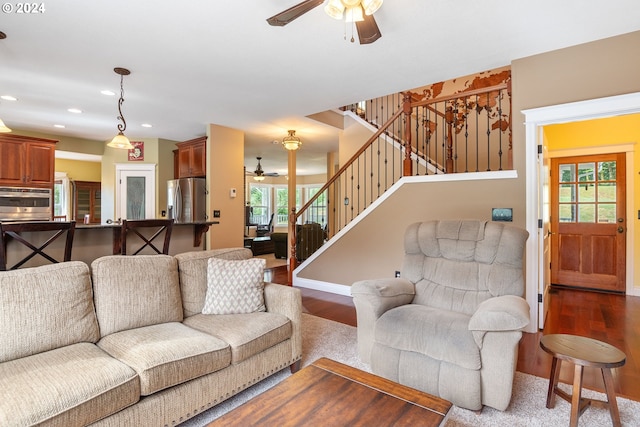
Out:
{"x": 216, "y": 213}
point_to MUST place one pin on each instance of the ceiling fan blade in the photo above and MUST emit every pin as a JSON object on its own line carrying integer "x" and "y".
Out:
{"x": 284, "y": 17}
{"x": 368, "y": 30}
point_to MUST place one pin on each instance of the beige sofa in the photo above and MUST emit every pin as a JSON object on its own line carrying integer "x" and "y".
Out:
{"x": 450, "y": 325}
{"x": 125, "y": 343}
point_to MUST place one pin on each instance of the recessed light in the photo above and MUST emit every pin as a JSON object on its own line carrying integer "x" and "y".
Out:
{"x": 74, "y": 110}
{"x": 107, "y": 92}
{"x": 59, "y": 126}
{"x": 146, "y": 125}
{"x": 9, "y": 98}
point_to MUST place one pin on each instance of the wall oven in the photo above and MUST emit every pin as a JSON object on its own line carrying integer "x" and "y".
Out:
{"x": 25, "y": 204}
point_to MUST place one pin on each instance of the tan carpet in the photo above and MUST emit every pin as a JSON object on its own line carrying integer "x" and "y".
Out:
{"x": 325, "y": 338}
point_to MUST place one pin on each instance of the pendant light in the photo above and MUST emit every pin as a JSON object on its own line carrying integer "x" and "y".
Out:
{"x": 121, "y": 141}
{"x": 3, "y": 127}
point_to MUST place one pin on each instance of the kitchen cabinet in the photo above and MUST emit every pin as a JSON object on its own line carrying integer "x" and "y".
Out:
{"x": 87, "y": 201}
{"x": 27, "y": 161}
{"x": 192, "y": 158}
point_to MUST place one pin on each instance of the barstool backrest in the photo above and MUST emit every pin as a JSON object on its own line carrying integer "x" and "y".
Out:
{"x": 15, "y": 231}
{"x": 155, "y": 226}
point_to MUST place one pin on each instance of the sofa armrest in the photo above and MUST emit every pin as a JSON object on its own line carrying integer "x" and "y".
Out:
{"x": 287, "y": 301}
{"x": 372, "y": 298}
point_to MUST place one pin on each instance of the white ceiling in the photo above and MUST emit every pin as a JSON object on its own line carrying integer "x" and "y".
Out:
{"x": 199, "y": 62}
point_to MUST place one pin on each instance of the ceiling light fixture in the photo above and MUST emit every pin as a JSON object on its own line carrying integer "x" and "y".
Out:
{"x": 121, "y": 141}
{"x": 259, "y": 172}
{"x": 351, "y": 10}
{"x": 291, "y": 142}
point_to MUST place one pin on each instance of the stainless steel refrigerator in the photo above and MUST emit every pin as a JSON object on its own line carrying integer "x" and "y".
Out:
{"x": 187, "y": 199}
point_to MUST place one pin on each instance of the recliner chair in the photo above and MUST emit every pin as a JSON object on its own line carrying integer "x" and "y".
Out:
{"x": 450, "y": 325}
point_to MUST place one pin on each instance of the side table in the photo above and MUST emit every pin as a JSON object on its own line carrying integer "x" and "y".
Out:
{"x": 582, "y": 351}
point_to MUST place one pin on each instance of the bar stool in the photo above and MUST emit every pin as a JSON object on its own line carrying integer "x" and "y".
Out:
{"x": 155, "y": 226}
{"x": 582, "y": 351}
{"x": 12, "y": 230}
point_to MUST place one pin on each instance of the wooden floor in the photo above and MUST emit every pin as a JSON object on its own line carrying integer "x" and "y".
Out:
{"x": 614, "y": 319}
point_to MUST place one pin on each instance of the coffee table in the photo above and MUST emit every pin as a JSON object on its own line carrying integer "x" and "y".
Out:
{"x": 329, "y": 393}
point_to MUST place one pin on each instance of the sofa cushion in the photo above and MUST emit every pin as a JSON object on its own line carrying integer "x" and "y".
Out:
{"x": 234, "y": 287}
{"x": 192, "y": 267}
{"x": 73, "y": 385}
{"x": 135, "y": 291}
{"x": 167, "y": 354}
{"x": 248, "y": 334}
{"x": 440, "y": 334}
{"x": 45, "y": 307}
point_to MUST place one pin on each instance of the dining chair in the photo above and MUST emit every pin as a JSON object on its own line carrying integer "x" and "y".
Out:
{"x": 50, "y": 230}
{"x": 154, "y": 227}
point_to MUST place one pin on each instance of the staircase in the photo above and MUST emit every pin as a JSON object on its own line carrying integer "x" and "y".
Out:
{"x": 412, "y": 135}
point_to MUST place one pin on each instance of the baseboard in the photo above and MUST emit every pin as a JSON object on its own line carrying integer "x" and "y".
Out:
{"x": 318, "y": 285}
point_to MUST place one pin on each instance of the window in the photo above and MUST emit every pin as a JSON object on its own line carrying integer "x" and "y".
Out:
{"x": 61, "y": 195}
{"x": 282, "y": 204}
{"x": 260, "y": 203}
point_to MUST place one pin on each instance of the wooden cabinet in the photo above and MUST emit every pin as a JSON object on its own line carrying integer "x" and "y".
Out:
{"x": 27, "y": 161}
{"x": 192, "y": 158}
{"x": 87, "y": 201}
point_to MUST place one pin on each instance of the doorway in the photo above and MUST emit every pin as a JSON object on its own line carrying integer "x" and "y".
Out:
{"x": 535, "y": 120}
{"x": 588, "y": 222}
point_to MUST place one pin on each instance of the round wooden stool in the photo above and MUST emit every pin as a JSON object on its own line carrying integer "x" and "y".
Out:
{"x": 582, "y": 351}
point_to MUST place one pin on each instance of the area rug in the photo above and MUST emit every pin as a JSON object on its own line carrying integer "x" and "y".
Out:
{"x": 326, "y": 338}
{"x": 272, "y": 261}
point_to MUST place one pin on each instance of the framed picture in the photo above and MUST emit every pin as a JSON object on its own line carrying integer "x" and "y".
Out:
{"x": 136, "y": 154}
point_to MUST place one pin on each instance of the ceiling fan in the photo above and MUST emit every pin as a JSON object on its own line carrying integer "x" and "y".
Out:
{"x": 259, "y": 174}
{"x": 368, "y": 31}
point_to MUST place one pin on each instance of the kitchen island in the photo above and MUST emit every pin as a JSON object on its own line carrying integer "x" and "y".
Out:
{"x": 93, "y": 241}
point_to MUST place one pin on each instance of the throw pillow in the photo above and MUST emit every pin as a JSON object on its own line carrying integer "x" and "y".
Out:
{"x": 234, "y": 286}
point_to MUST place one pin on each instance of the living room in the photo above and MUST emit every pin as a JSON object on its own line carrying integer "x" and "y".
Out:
{"x": 585, "y": 67}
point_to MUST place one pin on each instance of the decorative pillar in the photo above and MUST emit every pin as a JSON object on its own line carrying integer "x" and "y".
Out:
{"x": 292, "y": 216}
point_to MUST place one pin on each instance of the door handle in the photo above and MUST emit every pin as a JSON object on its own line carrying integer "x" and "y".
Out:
{"x": 620, "y": 229}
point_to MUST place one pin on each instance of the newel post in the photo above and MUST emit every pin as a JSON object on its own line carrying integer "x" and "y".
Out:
{"x": 449, "y": 117}
{"x": 292, "y": 245}
{"x": 407, "y": 167}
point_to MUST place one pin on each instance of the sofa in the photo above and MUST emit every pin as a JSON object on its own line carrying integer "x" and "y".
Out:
{"x": 451, "y": 324}
{"x": 125, "y": 342}
{"x": 280, "y": 243}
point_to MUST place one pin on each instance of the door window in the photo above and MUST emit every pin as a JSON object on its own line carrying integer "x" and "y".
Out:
{"x": 587, "y": 192}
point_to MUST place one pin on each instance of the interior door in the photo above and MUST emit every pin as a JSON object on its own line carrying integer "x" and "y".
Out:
{"x": 588, "y": 222}
{"x": 544, "y": 233}
{"x": 135, "y": 192}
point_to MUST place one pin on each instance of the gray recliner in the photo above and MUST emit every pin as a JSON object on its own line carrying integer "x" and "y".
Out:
{"x": 450, "y": 325}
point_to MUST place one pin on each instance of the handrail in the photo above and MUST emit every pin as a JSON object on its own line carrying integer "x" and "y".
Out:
{"x": 458, "y": 95}
{"x": 349, "y": 162}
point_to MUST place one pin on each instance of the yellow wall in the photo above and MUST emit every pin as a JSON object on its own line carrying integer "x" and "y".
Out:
{"x": 79, "y": 170}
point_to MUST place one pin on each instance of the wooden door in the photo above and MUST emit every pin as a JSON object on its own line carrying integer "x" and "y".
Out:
{"x": 588, "y": 222}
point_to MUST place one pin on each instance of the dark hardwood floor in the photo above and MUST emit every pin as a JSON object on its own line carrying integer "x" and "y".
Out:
{"x": 614, "y": 319}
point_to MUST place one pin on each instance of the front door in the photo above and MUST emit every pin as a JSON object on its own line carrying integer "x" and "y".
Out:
{"x": 588, "y": 222}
